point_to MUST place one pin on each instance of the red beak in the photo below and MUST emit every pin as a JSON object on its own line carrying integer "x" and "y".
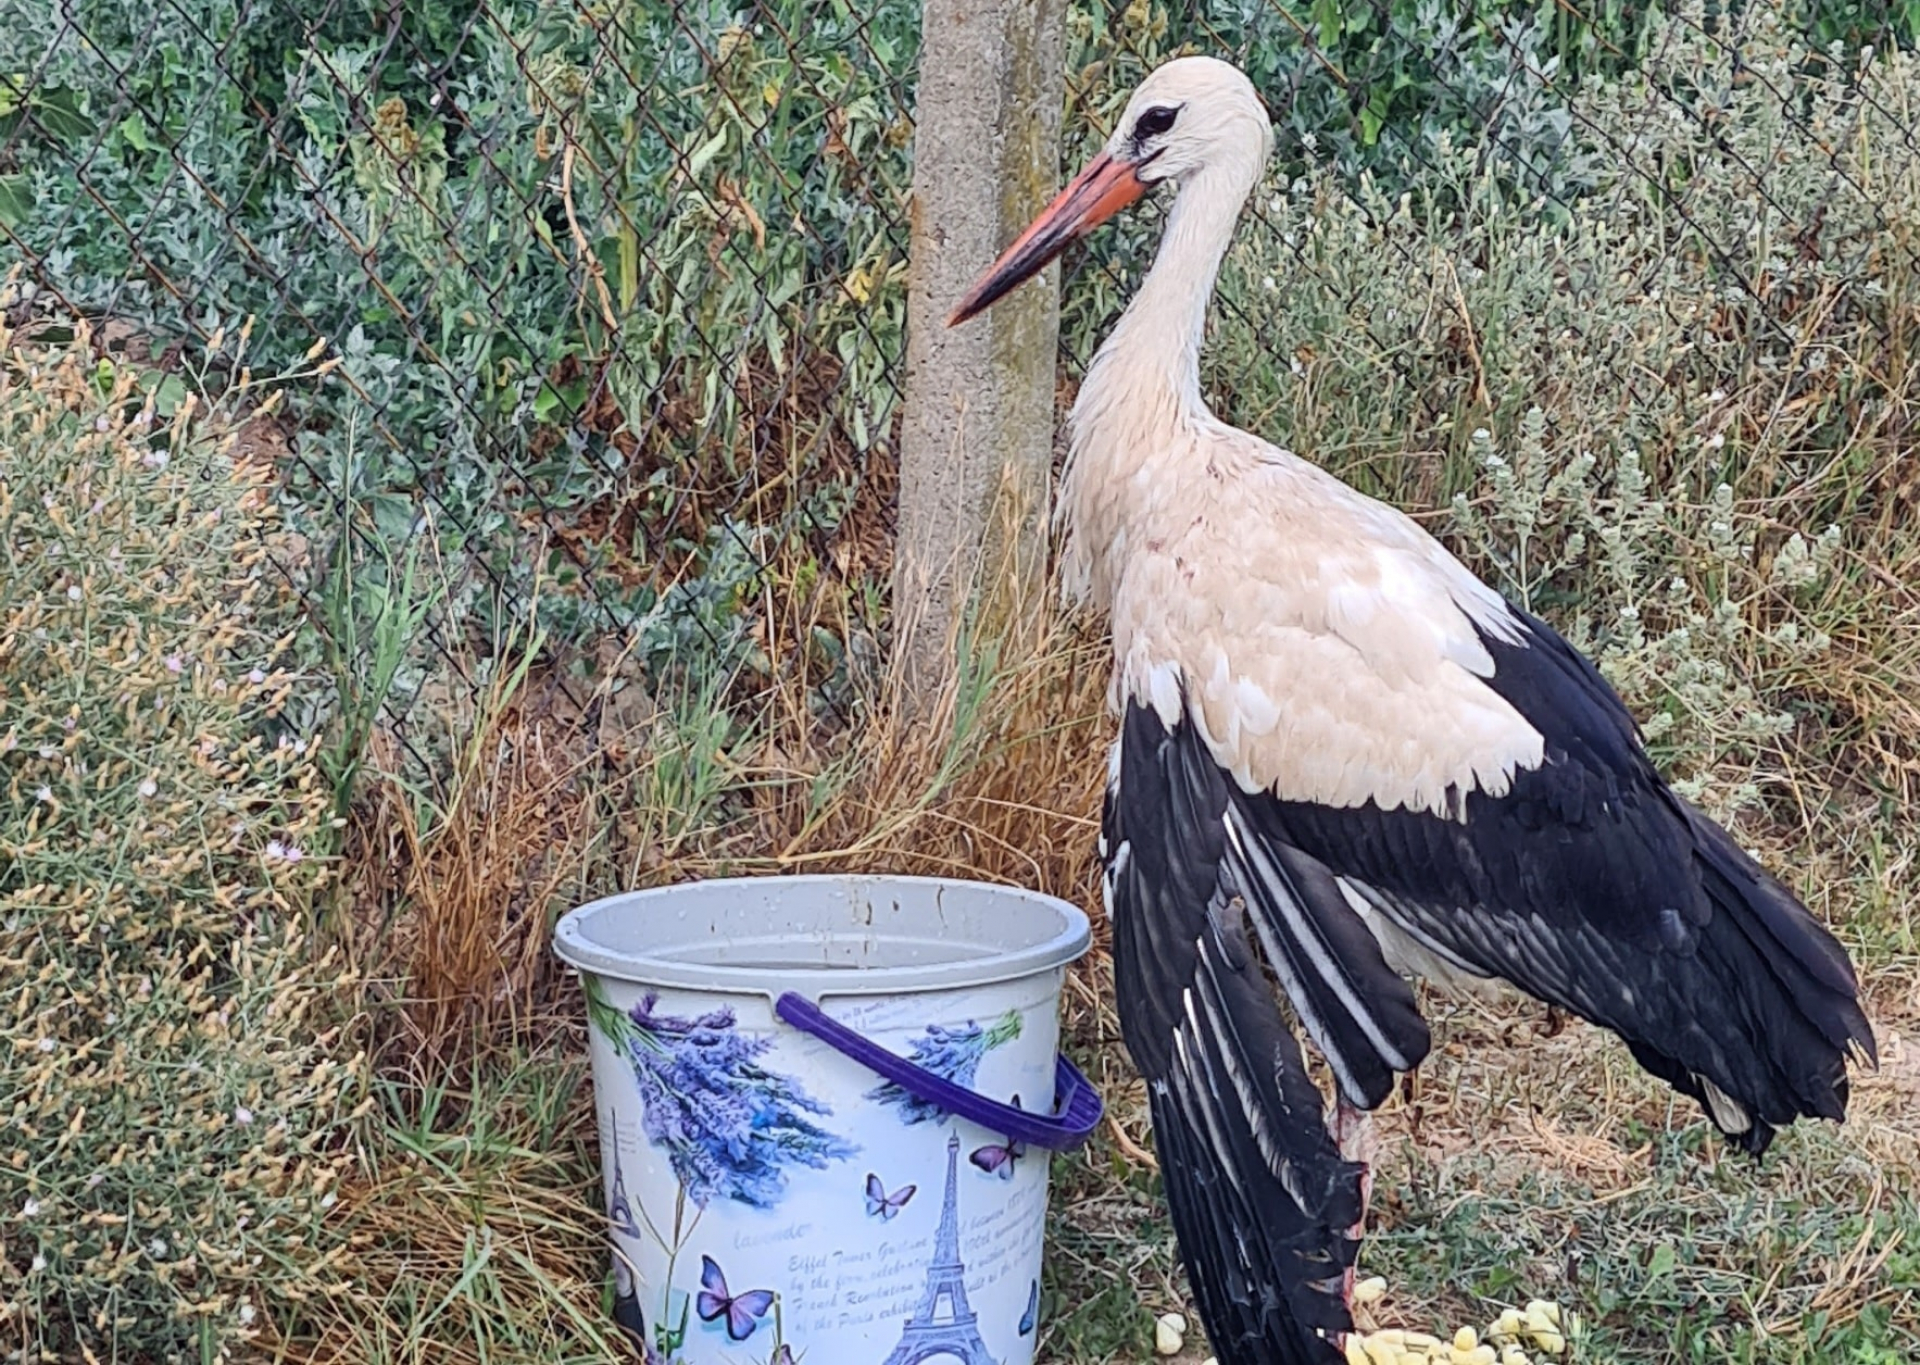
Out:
{"x": 1104, "y": 188}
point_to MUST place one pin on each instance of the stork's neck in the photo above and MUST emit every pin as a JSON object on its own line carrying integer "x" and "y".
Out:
{"x": 1159, "y": 335}
{"x": 1141, "y": 397}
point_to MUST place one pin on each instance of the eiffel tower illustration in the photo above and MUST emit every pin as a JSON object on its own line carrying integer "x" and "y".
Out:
{"x": 953, "y": 1331}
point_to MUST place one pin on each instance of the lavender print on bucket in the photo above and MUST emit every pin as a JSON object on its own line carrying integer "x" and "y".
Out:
{"x": 953, "y": 1054}
{"x": 730, "y": 1127}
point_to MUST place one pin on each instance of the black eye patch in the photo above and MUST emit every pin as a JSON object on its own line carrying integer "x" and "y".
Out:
{"x": 1154, "y": 122}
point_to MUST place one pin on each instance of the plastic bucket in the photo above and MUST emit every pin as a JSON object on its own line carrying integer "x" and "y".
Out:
{"x": 825, "y": 1107}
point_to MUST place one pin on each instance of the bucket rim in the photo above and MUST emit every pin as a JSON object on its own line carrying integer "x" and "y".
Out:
{"x": 580, "y": 951}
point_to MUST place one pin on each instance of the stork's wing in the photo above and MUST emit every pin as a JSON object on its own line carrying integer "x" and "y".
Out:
{"x": 1261, "y": 1200}
{"x": 1588, "y": 883}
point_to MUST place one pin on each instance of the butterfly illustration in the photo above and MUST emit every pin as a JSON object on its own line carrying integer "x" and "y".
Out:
{"x": 882, "y": 1205}
{"x": 742, "y": 1312}
{"x": 996, "y": 1159}
{"x": 619, "y": 1211}
{"x": 1032, "y": 1315}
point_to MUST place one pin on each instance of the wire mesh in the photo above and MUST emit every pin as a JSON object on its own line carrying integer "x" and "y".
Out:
{"x": 613, "y": 294}
{"x": 617, "y": 292}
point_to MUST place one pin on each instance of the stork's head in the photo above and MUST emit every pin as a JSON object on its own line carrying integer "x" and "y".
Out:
{"x": 1193, "y": 120}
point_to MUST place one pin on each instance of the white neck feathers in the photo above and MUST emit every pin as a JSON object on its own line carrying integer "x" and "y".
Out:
{"x": 1142, "y": 392}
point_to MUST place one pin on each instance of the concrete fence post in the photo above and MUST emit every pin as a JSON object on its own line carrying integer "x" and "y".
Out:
{"x": 977, "y": 427}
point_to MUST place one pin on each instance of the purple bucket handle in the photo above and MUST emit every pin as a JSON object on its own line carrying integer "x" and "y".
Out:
{"x": 1078, "y": 1102}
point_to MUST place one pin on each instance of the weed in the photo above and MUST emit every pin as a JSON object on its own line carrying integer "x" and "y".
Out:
{"x": 176, "y": 1092}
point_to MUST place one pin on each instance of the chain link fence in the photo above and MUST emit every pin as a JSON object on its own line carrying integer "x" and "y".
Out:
{"x": 612, "y": 294}
{"x": 616, "y": 293}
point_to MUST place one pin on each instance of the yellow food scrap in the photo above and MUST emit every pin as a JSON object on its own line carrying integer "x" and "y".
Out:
{"x": 1370, "y": 1290}
{"x": 1169, "y": 1333}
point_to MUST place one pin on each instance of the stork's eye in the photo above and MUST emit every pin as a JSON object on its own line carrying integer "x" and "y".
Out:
{"x": 1154, "y": 122}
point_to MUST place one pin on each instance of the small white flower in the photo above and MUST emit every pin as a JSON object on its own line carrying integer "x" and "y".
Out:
{"x": 43, "y": 794}
{"x": 111, "y": 1017}
{"x": 246, "y": 1314}
{"x": 283, "y": 852}
{"x": 328, "y": 1200}
{"x": 46, "y": 1045}
{"x": 175, "y": 663}
{"x": 219, "y": 684}
{"x": 39, "y": 1263}
{"x": 154, "y": 459}
{"x": 48, "y": 751}
{"x": 149, "y": 787}
{"x": 242, "y": 1115}
{"x": 94, "y": 1181}
{"x": 157, "y": 1247}
{"x": 1715, "y": 441}
{"x": 30, "y": 1209}
{"x": 68, "y": 723}
{"x": 101, "y": 423}
{"x": 73, "y": 592}
{"x": 256, "y": 677}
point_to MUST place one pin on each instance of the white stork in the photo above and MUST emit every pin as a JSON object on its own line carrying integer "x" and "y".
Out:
{"x": 1338, "y": 745}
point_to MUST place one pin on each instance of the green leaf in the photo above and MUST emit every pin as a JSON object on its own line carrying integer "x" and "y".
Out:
{"x": 16, "y": 199}
{"x": 169, "y": 395}
{"x": 57, "y": 109}
{"x": 133, "y": 130}
{"x": 705, "y": 153}
{"x": 1661, "y": 1262}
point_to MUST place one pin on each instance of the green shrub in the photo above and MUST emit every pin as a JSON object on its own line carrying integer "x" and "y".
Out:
{"x": 619, "y": 271}
{"x": 172, "y": 1087}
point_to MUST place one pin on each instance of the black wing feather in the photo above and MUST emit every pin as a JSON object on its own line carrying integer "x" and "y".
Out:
{"x": 1591, "y": 885}
{"x": 1261, "y": 1200}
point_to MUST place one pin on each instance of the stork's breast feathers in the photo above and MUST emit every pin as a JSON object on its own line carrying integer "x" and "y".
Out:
{"x": 1353, "y": 676}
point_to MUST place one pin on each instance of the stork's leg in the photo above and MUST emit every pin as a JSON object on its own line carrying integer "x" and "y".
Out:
{"x": 1354, "y": 1135}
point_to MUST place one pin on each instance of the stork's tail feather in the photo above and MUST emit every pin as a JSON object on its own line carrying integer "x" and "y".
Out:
{"x": 1262, "y": 1202}
{"x": 1797, "y": 1022}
